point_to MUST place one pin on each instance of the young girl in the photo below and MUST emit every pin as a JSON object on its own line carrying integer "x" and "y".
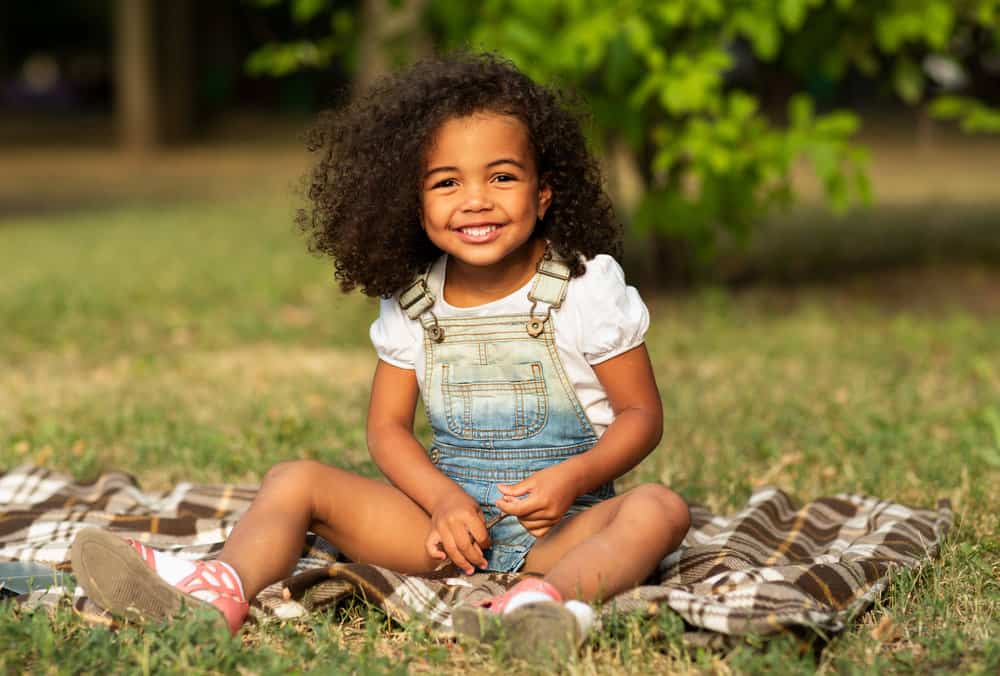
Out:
{"x": 463, "y": 194}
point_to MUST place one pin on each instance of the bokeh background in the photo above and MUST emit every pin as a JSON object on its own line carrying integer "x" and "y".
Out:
{"x": 811, "y": 190}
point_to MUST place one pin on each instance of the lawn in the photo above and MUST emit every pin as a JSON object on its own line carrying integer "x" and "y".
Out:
{"x": 194, "y": 339}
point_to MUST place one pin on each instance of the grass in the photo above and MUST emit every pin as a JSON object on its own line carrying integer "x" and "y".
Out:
{"x": 196, "y": 340}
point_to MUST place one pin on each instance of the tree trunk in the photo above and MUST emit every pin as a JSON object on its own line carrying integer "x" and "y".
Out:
{"x": 177, "y": 73}
{"x": 625, "y": 181}
{"x": 390, "y": 37}
{"x": 135, "y": 76}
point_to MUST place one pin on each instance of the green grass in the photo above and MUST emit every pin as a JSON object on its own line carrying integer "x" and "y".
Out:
{"x": 199, "y": 341}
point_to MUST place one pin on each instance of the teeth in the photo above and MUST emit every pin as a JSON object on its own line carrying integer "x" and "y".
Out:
{"x": 479, "y": 231}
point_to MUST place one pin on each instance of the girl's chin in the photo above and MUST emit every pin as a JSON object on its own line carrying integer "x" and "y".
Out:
{"x": 494, "y": 253}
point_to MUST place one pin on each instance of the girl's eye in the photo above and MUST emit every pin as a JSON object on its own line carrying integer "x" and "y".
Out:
{"x": 505, "y": 178}
{"x": 445, "y": 183}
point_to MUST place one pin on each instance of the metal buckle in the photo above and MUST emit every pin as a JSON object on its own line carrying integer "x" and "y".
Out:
{"x": 435, "y": 331}
{"x": 535, "y": 325}
{"x": 424, "y": 291}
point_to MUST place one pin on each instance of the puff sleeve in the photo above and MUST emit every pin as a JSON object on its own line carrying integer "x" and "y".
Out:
{"x": 611, "y": 316}
{"x": 394, "y": 335}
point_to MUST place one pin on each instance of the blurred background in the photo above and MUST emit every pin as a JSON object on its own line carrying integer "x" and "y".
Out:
{"x": 743, "y": 141}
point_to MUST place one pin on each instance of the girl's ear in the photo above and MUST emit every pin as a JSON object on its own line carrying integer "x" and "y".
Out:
{"x": 544, "y": 199}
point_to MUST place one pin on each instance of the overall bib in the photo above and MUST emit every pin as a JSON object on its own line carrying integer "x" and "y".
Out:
{"x": 500, "y": 404}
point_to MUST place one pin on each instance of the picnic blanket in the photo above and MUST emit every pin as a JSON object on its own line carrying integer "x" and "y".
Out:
{"x": 770, "y": 567}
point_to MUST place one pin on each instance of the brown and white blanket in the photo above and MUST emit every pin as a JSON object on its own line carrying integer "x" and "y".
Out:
{"x": 771, "y": 566}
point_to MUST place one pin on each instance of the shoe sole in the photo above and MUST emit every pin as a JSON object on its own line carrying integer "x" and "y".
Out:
{"x": 537, "y": 631}
{"x": 116, "y": 578}
{"x": 478, "y": 624}
{"x": 542, "y": 631}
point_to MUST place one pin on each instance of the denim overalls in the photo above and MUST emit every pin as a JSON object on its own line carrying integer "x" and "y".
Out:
{"x": 500, "y": 404}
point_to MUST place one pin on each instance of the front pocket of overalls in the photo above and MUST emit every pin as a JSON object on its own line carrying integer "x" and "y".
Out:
{"x": 485, "y": 402}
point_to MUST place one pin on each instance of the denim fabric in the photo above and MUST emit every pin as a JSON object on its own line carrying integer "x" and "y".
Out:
{"x": 502, "y": 408}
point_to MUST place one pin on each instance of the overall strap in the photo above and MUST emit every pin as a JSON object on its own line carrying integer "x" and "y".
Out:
{"x": 550, "y": 286}
{"x": 551, "y": 281}
{"x": 416, "y": 301}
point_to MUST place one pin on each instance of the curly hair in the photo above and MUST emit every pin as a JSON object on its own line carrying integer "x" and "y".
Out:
{"x": 365, "y": 191}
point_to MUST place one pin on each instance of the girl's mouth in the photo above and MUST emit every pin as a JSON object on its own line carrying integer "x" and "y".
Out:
{"x": 478, "y": 234}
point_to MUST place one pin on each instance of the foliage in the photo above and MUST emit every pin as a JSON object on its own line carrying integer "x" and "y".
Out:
{"x": 676, "y": 80}
{"x": 672, "y": 78}
{"x": 282, "y": 58}
{"x": 662, "y": 75}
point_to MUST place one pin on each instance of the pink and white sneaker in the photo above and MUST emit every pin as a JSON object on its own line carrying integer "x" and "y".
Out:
{"x": 528, "y": 590}
{"x": 128, "y": 578}
{"x": 531, "y": 617}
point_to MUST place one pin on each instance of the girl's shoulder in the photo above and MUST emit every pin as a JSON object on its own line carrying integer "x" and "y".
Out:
{"x": 394, "y": 335}
{"x": 602, "y": 281}
{"x": 603, "y": 268}
{"x": 607, "y": 315}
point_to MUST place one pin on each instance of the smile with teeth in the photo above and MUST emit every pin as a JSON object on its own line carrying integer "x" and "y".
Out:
{"x": 478, "y": 230}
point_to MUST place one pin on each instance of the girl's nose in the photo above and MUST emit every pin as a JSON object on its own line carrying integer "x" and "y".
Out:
{"x": 477, "y": 199}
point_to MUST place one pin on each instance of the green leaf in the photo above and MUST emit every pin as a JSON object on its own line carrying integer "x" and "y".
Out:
{"x": 672, "y": 12}
{"x": 840, "y": 124}
{"x": 742, "y": 106}
{"x": 760, "y": 29}
{"x": 908, "y": 80}
{"x": 640, "y": 35}
{"x": 800, "y": 110}
{"x": 304, "y": 11}
{"x": 793, "y": 13}
{"x": 948, "y": 107}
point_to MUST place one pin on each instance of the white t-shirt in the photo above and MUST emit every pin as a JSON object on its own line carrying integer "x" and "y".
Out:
{"x": 600, "y": 318}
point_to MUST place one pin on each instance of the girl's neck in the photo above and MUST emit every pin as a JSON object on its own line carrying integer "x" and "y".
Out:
{"x": 470, "y": 285}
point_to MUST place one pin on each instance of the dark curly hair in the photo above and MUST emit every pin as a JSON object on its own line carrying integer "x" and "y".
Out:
{"x": 365, "y": 189}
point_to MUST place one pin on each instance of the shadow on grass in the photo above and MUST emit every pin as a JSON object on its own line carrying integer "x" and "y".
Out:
{"x": 812, "y": 245}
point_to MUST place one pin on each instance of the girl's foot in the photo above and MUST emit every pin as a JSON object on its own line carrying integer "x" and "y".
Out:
{"x": 531, "y": 617}
{"x": 127, "y": 578}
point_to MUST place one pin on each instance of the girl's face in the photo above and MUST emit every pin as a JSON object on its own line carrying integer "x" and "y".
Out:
{"x": 481, "y": 195}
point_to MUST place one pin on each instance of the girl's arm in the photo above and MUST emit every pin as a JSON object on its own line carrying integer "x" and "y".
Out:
{"x": 456, "y": 520}
{"x": 638, "y": 425}
{"x": 637, "y": 428}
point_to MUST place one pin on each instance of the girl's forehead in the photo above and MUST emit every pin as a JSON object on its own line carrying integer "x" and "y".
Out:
{"x": 480, "y": 134}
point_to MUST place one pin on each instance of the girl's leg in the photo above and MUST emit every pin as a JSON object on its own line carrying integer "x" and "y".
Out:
{"x": 368, "y": 520}
{"x": 612, "y": 546}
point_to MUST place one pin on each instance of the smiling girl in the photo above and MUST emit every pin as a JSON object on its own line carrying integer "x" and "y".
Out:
{"x": 463, "y": 194}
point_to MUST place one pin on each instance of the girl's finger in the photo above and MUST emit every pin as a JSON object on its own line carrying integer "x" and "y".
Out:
{"x": 517, "y": 489}
{"x": 470, "y": 550}
{"x": 480, "y": 536}
{"x": 433, "y": 545}
{"x": 519, "y": 507}
{"x": 483, "y": 564}
{"x": 534, "y": 524}
{"x": 469, "y": 536}
{"x": 453, "y": 552}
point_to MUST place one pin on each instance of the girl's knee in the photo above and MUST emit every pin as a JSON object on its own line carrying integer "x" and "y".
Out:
{"x": 663, "y": 506}
{"x": 296, "y": 472}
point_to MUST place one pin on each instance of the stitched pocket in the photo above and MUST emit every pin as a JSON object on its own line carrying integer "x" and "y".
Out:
{"x": 494, "y": 402}
{"x": 506, "y": 558}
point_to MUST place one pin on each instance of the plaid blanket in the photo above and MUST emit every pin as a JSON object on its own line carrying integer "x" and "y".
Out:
{"x": 771, "y": 566}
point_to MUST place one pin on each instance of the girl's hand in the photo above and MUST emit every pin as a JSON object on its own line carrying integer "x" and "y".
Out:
{"x": 550, "y": 493}
{"x": 458, "y": 532}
